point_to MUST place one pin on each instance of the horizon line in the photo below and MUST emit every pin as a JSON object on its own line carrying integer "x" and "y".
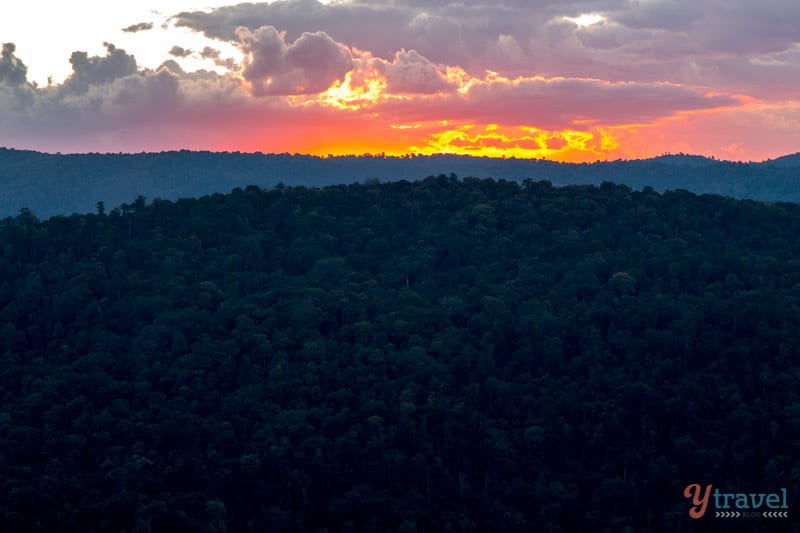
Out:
{"x": 410, "y": 155}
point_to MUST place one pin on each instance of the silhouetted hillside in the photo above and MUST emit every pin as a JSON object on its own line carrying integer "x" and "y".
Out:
{"x": 686, "y": 160}
{"x": 787, "y": 161}
{"x": 51, "y": 184}
{"x": 437, "y": 356}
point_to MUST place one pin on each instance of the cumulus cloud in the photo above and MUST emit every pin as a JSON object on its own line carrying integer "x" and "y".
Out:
{"x": 419, "y": 67}
{"x": 16, "y": 93}
{"x": 179, "y": 51}
{"x": 380, "y": 28}
{"x": 142, "y": 26}
{"x": 216, "y": 56}
{"x": 308, "y": 65}
{"x": 518, "y": 37}
{"x": 315, "y": 61}
{"x": 104, "y": 107}
{"x": 13, "y": 72}
{"x": 88, "y": 71}
{"x": 411, "y": 73}
{"x": 446, "y": 33}
{"x": 104, "y": 99}
{"x": 131, "y": 97}
{"x": 210, "y": 53}
{"x": 110, "y": 99}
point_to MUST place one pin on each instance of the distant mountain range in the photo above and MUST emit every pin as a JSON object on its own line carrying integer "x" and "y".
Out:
{"x": 56, "y": 184}
{"x": 786, "y": 161}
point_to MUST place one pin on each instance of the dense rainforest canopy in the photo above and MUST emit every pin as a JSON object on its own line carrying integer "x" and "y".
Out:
{"x": 443, "y": 355}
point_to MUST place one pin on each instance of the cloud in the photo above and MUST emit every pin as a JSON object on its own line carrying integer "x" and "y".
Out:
{"x": 411, "y": 73}
{"x": 316, "y": 94}
{"x": 101, "y": 99}
{"x": 210, "y": 53}
{"x": 557, "y": 103}
{"x": 717, "y": 26}
{"x": 16, "y": 93}
{"x": 444, "y": 32}
{"x": 168, "y": 109}
{"x": 88, "y": 71}
{"x": 309, "y": 65}
{"x": 136, "y": 96}
{"x": 481, "y": 76}
{"x": 179, "y": 51}
{"x": 13, "y": 72}
{"x": 109, "y": 103}
{"x": 380, "y": 28}
{"x": 315, "y": 61}
{"x": 522, "y": 38}
{"x": 216, "y": 56}
{"x": 142, "y": 26}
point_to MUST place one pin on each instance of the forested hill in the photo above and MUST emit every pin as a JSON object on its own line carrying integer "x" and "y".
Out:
{"x": 428, "y": 356}
{"x": 50, "y": 184}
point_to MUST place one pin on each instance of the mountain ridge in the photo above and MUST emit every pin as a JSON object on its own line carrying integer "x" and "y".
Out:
{"x": 62, "y": 184}
{"x": 789, "y": 160}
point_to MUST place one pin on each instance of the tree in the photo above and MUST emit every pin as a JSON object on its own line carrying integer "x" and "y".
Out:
{"x": 622, "y": 283}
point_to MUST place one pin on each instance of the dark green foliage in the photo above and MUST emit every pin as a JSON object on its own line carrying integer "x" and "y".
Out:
{"x": 430, "y": 356}
{"x": 56, "y": 184}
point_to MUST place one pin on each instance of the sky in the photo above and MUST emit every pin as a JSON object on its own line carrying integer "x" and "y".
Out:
{"x": 566, "y": 80}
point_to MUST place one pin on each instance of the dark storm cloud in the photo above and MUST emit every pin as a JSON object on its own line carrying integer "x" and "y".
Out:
{"x": 142, "y": 26}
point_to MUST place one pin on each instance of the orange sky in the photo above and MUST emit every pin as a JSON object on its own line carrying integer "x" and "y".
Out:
{"x": 567, "y": 81}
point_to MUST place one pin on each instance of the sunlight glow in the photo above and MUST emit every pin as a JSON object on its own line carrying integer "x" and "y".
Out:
{"x": 493, "y": 140}
{"x": 350, "y": 94}
{"x": 587, "y": 19}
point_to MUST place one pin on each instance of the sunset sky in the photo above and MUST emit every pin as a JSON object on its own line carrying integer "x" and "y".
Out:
{"x": 560, "y": 79}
